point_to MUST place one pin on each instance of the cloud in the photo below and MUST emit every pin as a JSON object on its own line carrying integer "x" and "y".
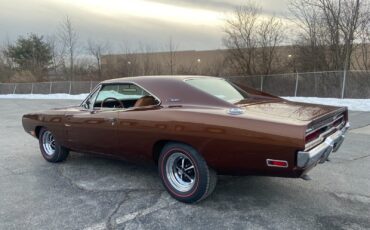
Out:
{"x": 193, "y": 24}
{"x": 278, "y": 7}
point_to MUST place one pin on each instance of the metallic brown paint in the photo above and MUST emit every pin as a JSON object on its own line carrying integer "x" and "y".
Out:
{"x": 270, "y": 127}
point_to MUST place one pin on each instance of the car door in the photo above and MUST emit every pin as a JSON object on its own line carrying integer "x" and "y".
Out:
{"x": 93, "y": 128}
{"x": 93, "y": 131}
{"x": 137, "y": 131}
{"x": 137, "y": 124}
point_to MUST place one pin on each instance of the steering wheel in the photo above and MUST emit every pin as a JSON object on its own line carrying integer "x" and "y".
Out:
{"x": 113, "y": 99}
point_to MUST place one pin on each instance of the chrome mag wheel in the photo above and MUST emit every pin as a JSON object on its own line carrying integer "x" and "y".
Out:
{"x": 48, "y": 143}
{"x": 180, "y": 172}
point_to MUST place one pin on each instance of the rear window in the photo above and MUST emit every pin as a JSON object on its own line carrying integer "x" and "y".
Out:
{"x": 219, "y": 88}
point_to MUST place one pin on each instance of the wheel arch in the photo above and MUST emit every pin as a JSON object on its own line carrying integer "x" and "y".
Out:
{"x": 159, "y": 145}
{"x": 37, "y": 130}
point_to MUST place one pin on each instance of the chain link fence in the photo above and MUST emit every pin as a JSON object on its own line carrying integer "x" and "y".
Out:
{"x": 329, "y": 84}
{"x": 67, "y": 87}
{"x": 314, "y": 84}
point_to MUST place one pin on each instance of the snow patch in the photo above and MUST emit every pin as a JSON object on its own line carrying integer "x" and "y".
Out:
{"x": 352, "y": 104}
{"x": 57, "y": 96}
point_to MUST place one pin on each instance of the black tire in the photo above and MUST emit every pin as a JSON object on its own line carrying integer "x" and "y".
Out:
{"x": 170, "y": 171}
{"x": 55, "y": 153}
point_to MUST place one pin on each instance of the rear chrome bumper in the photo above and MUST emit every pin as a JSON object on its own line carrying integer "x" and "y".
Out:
{"x": 321, "y": 152}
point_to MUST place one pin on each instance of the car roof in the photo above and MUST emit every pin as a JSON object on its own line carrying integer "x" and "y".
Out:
{"x": 173, "y": 90}
{"x": 154, "y": 77}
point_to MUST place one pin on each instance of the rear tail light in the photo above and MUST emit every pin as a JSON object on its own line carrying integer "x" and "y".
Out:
{"x": 277, "y": 163}
{"x": 316, "y": 134}
{"x": 312, "y": 136}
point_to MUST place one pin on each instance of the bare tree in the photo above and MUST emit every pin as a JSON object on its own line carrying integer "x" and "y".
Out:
{"x": 362, "y": 56}
{"x": 310, "y": 46}
{"x": 68, "y": 35}
{"x": 240, "y": 37}
{"x": 96, "y": 49}
{"x": 333, "y": 23}
{"x": 147, "y": 60}
{"x": 57, "y": 51}
{"x": 270, "y": 35}
{"x": 357, "y": 29}
{"x": 172, "y": 48}
{"x": 252, "y": 39}
{"x": 343, "y": 18}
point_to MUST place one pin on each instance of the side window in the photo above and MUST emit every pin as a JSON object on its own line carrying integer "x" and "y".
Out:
{"x": 123, "y": 94}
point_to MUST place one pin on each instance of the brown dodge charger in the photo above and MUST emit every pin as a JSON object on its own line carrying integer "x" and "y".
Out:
{"x": 193, "y": 128}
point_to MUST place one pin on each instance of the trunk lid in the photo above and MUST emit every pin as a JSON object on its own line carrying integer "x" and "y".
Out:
{"x": 288, "y": 109}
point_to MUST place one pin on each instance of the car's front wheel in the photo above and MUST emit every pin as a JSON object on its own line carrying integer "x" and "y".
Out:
{"x": 50, "y": 149}
{"x": 185, "y": 173}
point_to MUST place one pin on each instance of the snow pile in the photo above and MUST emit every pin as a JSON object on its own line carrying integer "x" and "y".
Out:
{"x": 59, "y": 96}
{"x": 352, "y": 104}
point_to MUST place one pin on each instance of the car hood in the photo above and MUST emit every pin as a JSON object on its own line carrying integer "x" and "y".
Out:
{"x": 287, "y": 109}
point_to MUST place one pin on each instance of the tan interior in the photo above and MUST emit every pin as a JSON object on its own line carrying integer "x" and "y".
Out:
{"x": 145, "y": 101}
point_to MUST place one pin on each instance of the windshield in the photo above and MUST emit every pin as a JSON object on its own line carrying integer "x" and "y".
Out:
{"x": 219, "y": 88}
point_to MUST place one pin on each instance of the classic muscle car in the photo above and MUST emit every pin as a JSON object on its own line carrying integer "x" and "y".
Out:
{"x": 192, "y": 128}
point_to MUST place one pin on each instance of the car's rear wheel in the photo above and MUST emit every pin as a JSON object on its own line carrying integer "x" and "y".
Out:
{"x": 185, "y": 173}
{"x": 50, "y": 149}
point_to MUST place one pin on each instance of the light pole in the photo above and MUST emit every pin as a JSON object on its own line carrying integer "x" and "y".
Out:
{"x": 291, "y": 59}
{"x": 128, "y": 68}
{"x": 199, "y": 69}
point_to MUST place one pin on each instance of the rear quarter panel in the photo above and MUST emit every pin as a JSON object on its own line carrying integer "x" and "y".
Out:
{"x": 229, "y": 144}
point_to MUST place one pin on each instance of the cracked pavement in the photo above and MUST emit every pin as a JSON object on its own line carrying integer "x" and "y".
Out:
{"x": 89, "y": 192}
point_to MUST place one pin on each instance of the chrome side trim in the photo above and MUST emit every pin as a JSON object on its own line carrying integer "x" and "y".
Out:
{"x": 321, "y": 152}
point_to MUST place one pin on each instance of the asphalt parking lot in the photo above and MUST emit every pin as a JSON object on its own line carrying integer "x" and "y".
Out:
{"x": 88, "y": 192}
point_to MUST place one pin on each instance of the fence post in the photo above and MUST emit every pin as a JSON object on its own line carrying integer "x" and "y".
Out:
{"x": 70, "y": 87}
{"x": 51, "y": 86}
{"x": 262, "y": 83}
{"x": 296, "y": 84}
{"x": 32, "y": 88}
{"x": 344, "y": 82}
{"x": 15, "y": 88}
{"x": 315, "y": 81}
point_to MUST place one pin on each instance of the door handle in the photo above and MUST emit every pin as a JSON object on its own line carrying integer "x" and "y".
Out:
{"x": 68, "y": 119}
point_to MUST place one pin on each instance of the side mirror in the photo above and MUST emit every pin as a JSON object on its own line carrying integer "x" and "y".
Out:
{"x": 86, "y": 105}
